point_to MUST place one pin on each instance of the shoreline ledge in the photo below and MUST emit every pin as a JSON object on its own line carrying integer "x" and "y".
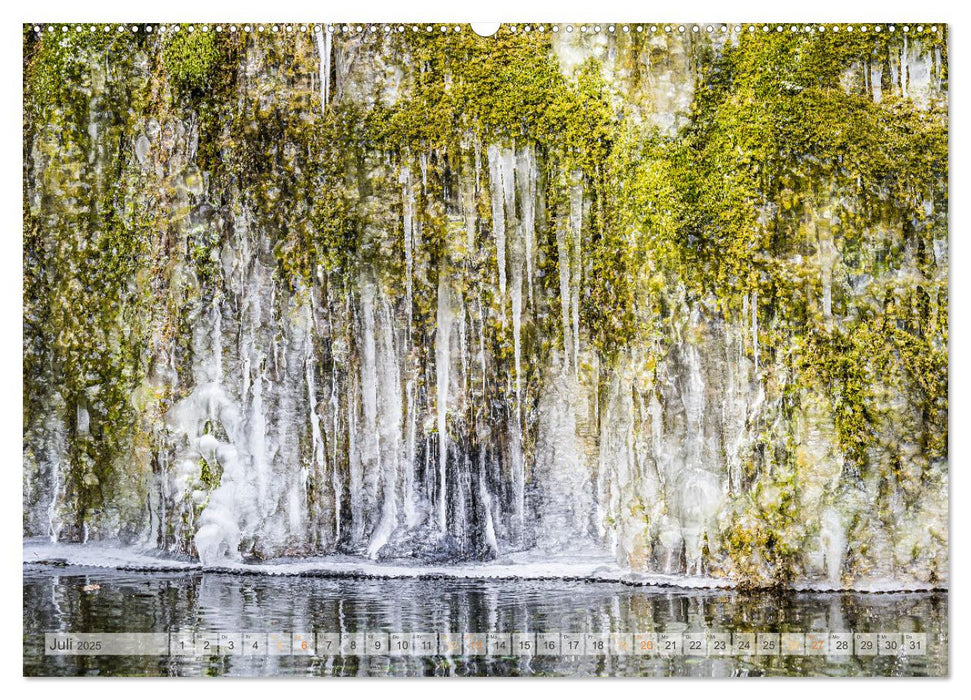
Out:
{"x": 584, "y": 566}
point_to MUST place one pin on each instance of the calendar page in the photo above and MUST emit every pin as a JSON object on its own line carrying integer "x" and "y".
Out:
{"x": 523, "y": 349}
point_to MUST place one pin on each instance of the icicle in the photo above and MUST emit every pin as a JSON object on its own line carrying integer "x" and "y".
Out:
{"x": 53, "y": 526}
{"x": 693, "y": 398}
{"x": 408, "y": 200}
{"x": 317, "y": 448}
{"x": 463, "y": 347}
{"x": 57, "y": 445}
{"x": 507, "y": 177}
{"x": 498, "y": 221}
{"x": 517, "y": 315}
{"x": 217, "y": 341}
{"x": 468, "y": 188}
{"x": 335, "y": 476}
{"x": 370, "y": 447}
{"x": 257, "y": 440}
{"x": 411, "y": 515}
{"x": 576, "y": 223}
{"x": 478, "y": 166}
{"x": 388, "y": 428}
{"x": 514, "y": 261}
{"x": 442, "y": 365}
{"x": 876, "y": 76}
{"x": 827, "y": 275}
{"x": 236, "y": 505}
{"x": 755, "y": 328}
{"x": 564, "y": 505}
{"x": 486, "y": 498}
{"x": 904, "y": 71}
{"x": 519, "y": 480}
{"x": 256, "y": 423}
{"x": 482, "y": 351}
{"x": 355, "y": 487}
{"x": 83, "y": 418}
{"x": 526, "y": 186}
{"x": 460, "y": 518}
{"x": 563, "y": 252}
{"x": 745, "y": 317}
{"x": 324, "y": 49}
{"x": 429, "y": 484}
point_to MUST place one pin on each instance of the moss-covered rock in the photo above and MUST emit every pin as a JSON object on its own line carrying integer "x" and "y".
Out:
{"x": 705, "y": 276}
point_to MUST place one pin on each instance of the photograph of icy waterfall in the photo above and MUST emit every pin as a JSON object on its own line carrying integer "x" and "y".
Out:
{"x": 416, "y": 350}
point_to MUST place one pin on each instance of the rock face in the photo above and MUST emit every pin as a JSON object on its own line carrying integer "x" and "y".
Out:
{"x": 426, "y": 294}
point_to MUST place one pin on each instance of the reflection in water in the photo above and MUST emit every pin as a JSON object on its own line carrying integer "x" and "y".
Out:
{"x": 55, "y": 600}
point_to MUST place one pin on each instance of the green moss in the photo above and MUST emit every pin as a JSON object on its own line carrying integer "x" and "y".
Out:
{"x": 896, "y": 350}
{"x": 506, "y": 87}
{"x": 843, "y": 366}
{"x": 210, "y": 475}
{"x": 57, "y": 63}
{"x": 86, "y": 248}
{"x": 191, "y": 59}
{"x": 728, "y": 207}
{"x": 764, "y": 539}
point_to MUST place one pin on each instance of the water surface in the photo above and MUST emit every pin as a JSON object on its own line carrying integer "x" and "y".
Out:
{"x": 55, "y": 600}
